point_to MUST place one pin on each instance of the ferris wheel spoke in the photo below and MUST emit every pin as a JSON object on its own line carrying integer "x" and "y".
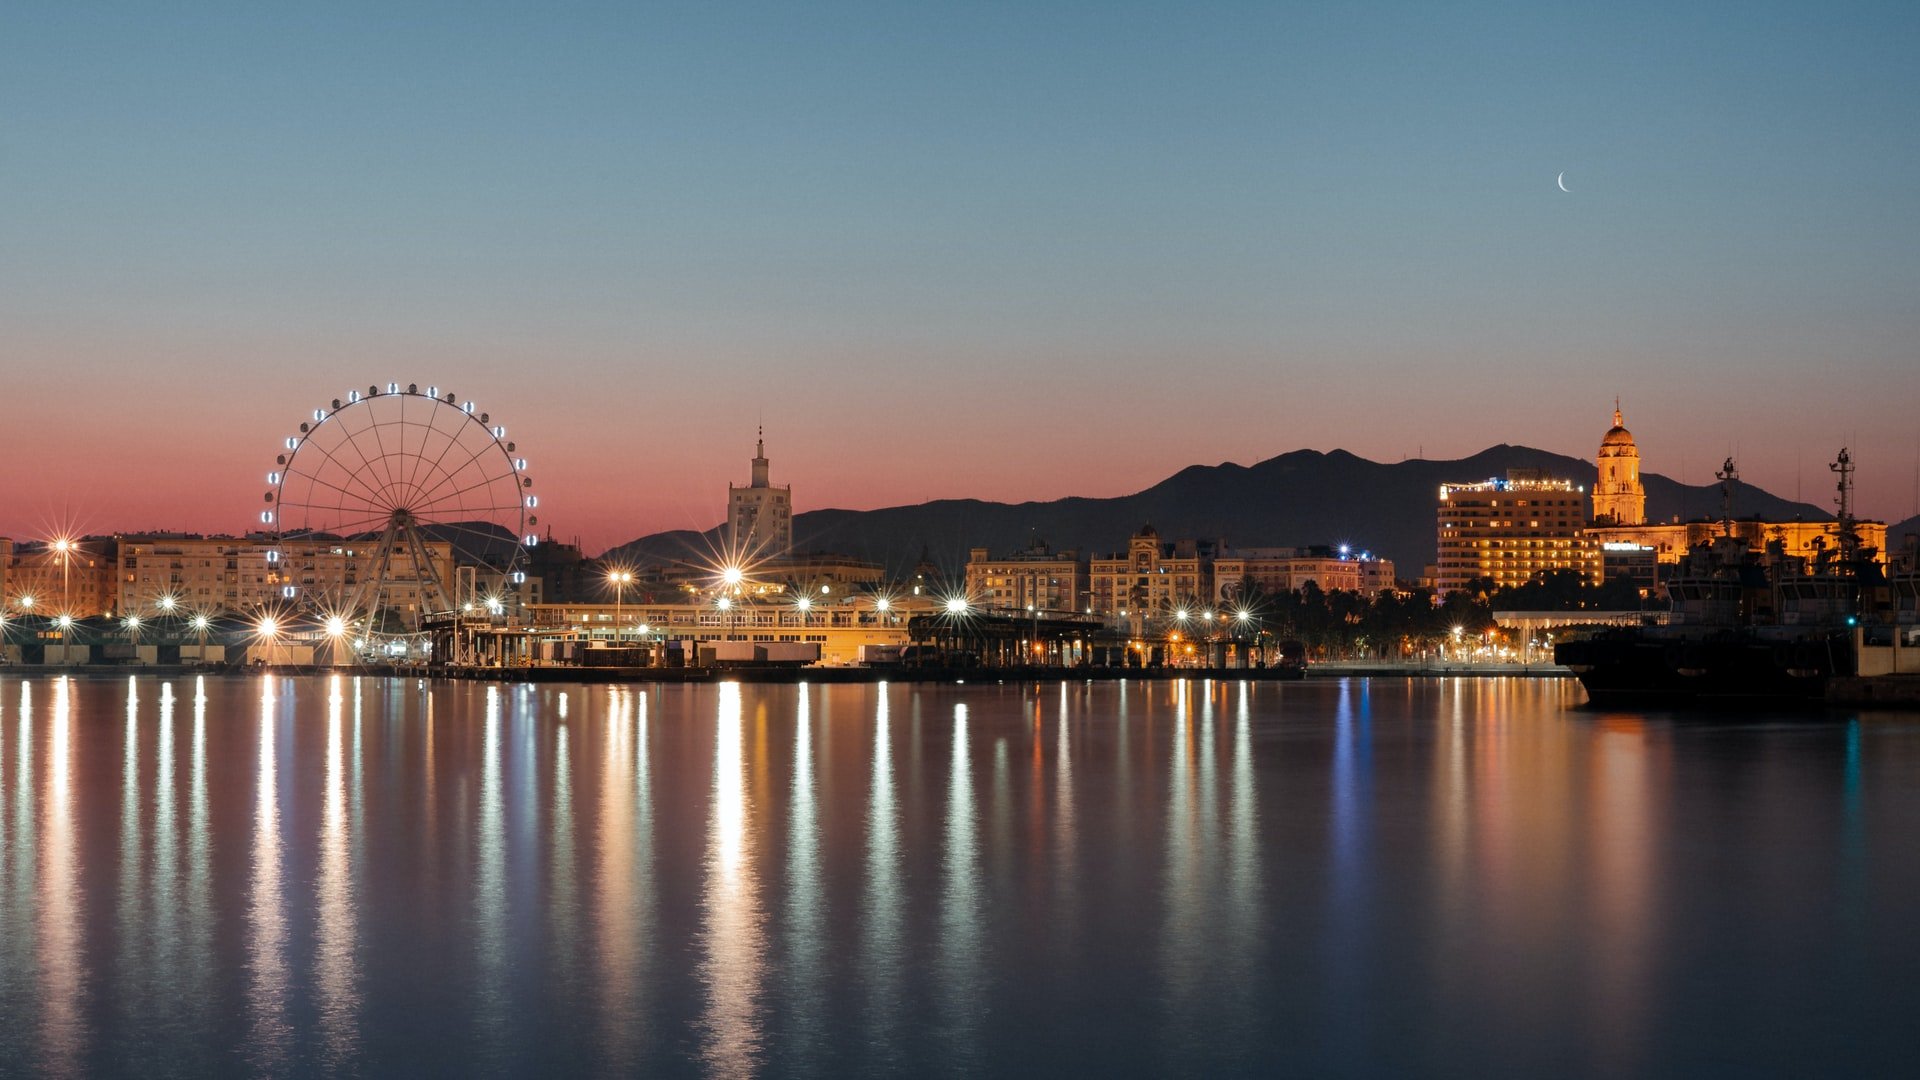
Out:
{"x": 487, "y": 483}
{"x": 313, "y": 480}
{"x": 402, "y": 461}
{"x": 384, "y": 460}
{"x": 370, "y": 464}
{"x": 341, "y": 524}
{"x": 488, "y": 539}
{"x": 429, "y": 430}
{"x": 372, "y": 493}
{"x": 438, "y": 468}
{"x": 455, "y": 475}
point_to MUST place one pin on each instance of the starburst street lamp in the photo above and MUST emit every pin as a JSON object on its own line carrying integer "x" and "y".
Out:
{"x": 619, "y": 579}
{"x": 63, "y": 547}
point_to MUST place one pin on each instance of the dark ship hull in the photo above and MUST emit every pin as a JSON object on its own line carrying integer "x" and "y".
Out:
{"x": 1657, "y": 665}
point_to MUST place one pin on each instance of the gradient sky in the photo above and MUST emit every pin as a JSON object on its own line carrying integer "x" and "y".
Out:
{"x": 1013, "y": 251}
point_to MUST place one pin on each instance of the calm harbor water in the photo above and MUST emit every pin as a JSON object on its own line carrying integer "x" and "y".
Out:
{"x": 341, "y": 876}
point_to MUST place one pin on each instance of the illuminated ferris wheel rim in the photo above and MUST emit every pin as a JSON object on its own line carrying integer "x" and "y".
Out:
{"x": 395, "y": 486}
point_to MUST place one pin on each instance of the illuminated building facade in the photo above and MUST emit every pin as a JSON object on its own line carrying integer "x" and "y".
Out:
{"x": 841, "y": 628}
{"x": 1038, "y": 577}
{"x": 1279, "y": 570}
{"x": 1151, "y": 577}
{"x": 760, "y": 515}
{"x": 1511, "y": 529}
{"x": 211, "y": 574}
{"x": 1618, "y": 496}
{"x": 1806, "y": 539}
{"x": 1620, "y": 518}
{"x": 62, "y": 577}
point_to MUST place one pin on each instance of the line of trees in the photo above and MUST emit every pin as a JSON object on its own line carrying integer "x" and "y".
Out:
{"x": 1344, "y": 624}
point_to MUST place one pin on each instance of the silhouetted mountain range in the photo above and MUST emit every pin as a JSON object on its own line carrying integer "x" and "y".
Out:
{"x": 1299, "y": 498}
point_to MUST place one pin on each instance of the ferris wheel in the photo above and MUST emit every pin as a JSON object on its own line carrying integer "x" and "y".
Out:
{"x": 406, "y": 483}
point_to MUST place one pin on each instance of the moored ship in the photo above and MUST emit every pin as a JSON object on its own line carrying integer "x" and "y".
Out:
{"x": 1744, "y": 625}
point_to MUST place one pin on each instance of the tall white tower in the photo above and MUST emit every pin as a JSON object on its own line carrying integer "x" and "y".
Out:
{"x": 760, "y": 515}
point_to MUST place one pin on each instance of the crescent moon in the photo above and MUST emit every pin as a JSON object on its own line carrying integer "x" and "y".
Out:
{"x": 1562, "y": 181}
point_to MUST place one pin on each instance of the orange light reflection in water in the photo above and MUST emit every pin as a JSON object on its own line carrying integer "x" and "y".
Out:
{"x": 733, "y": 965}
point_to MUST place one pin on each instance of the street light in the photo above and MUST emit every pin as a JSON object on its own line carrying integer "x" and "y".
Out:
{"x": 620, "y": 579}
{"x": 64, "y": 547}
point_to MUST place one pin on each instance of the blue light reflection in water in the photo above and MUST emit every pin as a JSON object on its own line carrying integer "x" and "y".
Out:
{"x": 350, "y": 875}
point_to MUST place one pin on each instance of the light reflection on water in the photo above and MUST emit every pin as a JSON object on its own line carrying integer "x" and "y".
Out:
{"x": 347, "y": 875}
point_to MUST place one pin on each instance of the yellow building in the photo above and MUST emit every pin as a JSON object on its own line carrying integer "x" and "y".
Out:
{"x": 1279, "y": 570}
{"x": 1038, "y": 577}
{"x": 212, "y": 574}
{"x": 1803, "y": 538}
{"x": 61, "y": 577}
{"x": 1512, "y": 529}
{"x": 841, "y": 629}
{"x": 1151, "y": 577}
{"x": 1620, "y": 515}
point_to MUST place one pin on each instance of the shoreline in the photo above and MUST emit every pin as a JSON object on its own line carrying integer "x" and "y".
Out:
{"x": 829, "y": 675}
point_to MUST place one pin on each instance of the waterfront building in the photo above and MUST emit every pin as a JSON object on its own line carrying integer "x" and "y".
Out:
{"x": 1618, "y": 496}
{"x": 6, "y": 560}
{"x": 1637, "y": 563}
{"x": 1511, "y": 529}
{"x": 760, "y": 515}
{"x": 213, "y": 574}
{"x": 1037, "y": 577}
{"x": 842, "y": 627}
{"x": 1620, "y": 520}
{"x": 62, "y": 577}
{"x": 1279, "y": 570}
{"x": 1151, "y": 577}
{"x": 1806, "y": 539}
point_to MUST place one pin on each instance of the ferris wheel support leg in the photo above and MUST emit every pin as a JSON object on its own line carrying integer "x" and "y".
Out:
{"x": 436, "y": 592}
{"x": 367, "y": 595}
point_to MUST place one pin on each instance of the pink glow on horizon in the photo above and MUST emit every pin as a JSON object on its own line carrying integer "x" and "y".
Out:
{"x": 604, "y": 475}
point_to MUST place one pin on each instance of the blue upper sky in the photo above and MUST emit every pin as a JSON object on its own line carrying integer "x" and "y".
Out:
{"x": 1135, "y": 236}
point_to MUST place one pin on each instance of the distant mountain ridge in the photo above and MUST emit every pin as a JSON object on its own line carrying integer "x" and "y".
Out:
{"x": 1296, "y": 499}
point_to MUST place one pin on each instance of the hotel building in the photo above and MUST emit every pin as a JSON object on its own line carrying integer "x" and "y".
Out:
{"x": 1511, "y": 529}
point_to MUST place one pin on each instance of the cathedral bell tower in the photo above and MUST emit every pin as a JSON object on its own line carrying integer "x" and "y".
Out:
{"x": 1618, "y": 497}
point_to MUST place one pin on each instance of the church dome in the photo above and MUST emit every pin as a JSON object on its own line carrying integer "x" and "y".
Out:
{"x": 1617, "y": 435}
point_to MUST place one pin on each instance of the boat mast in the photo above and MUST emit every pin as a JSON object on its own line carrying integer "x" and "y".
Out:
{"x": 1849, "y": 538}
{"x": 1728, "y": 476}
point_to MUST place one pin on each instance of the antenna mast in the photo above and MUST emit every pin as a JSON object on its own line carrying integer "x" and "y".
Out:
{"x": 1728, "y": 477}
{"x": 1849, "y": 539}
